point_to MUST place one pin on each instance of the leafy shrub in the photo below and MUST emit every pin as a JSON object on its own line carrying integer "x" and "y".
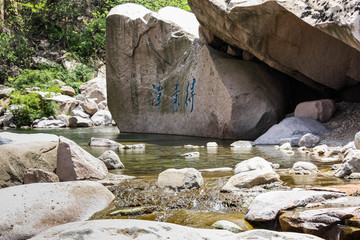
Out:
{"x": 31, "y": 106}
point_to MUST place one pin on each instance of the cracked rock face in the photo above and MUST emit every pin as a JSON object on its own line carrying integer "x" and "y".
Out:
{"x": 314, "y": 41}
{"x": 161, "y": 79}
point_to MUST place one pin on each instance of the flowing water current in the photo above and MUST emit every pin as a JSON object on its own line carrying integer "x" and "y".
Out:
{"x": 140, "y": 198}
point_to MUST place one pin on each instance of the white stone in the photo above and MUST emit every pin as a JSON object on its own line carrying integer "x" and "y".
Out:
{"x": 102, "y": 117}
{"x": 255, "y": 163}
{"x": 191, "y": 155}
{"x": 212, "y": 144}
{"x": 304, "y": 168}
{"x": 177, "y": 179}
{"x": 241, "y": 144}
{"x": 111, "y": 160}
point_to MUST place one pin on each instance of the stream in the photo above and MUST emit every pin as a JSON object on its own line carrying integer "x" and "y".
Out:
{"x": 140, "y": 198}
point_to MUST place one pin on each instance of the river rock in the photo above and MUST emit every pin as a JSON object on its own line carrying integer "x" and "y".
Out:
{"x": 177, "y": 179}
{"x": 103, "y": 142}
{"x": 27, "y": 210}
{"x": 255, "y": 163}
{"x": 68, "y": 105}
{"x": 26, "y": 151}
{"x": 250, "y": 179}
{"x": 75, "y": 121}
{"x": 74, "y": 163}
{"x": 227, "y": 225}
{"x": 319, "y": 221}
{"x": 67, "y": 90}
{"x": 94, "y": 89}
{"x": 79, "y": 112}
{"x": 50, "y": 124}
{"x": 33, "y": 175}
{"x": 161, "y": 79}
{"x": 291, "y": 127}
{"x": 350, "y": 164}
{"x": 275, "y": 31}
{"x": 102, "y": 117}
{"x": 241, "y": 144}
{"x": 304, "y": 168}
{"x": 113, "y": 229}
{"x": 357, "y": 140}
{"x": 90, "y": 107}
{"x": 111, "y": 160}
{"x": 320, "y": 110}
{"x": 309, "y": 140}
{"x": 261, "y": 209}
{"x": 64, "y": 118}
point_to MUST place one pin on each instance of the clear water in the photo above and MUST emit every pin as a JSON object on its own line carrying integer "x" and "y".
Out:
{"x": 165, "y": 151}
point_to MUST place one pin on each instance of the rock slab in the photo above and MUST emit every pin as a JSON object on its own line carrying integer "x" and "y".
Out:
{"x": 74, "y": 163}
{"x": 139, "y": 229}
{"x": 27, "y": 210}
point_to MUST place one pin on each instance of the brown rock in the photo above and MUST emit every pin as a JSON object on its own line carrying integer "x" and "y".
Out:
{"x": 33, "y": 175}
{"x": 168, "y": 83}
{"x": 290, "y": 38}
{"x": 67, "y": 106}
{"x": 90, "y": 107}
{"x": 74, "y": 163}
{"x": 320, "y": 110}
{"x": 67, "y": 90}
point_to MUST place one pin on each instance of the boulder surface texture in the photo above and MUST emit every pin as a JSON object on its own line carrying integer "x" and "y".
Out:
{"x": 27, "y": 210}
{"x": 161, "y": 79}
{"x": 128, "y": 229}
{"x": 293, "y": 37}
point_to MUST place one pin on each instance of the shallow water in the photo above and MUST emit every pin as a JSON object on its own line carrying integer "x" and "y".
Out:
{"x": 200, "y": 207}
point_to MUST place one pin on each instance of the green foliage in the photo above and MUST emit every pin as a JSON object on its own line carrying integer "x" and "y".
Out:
{"x": 44, "y": 78}
{"x": 31, "y": 107}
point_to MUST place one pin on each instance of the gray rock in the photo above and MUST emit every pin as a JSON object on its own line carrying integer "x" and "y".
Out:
{"x": 261, "y": 209}
{"x": 111, "y": 160}
{"x": 241, "y": 144}
{"x": 104, "y": 142}
{"x": 177, "y": 179}
{"x": 318, "y": 221}
{"x": 250, "y": 179}
{"x": 74, "y": 163}
{"x": 221, "y": 96}
{"x": 26, "y": 151}
{"x": 64, "y": 118}
{"x": 102, "y": 117}
{"x": 291, "y": 127}
{"x": 49, "y": 124}
{"x": 5, "y": 92}
{"x": 95, "y": 89}
{"x": 350, "y": 164}
{"x": 309, "y": 140}
{"x": 227, "y": 225}
{"x": 5, "y": 141}
{"x": 80, "y": 113}
{"x": 114, "y": 229}
{"x": 27, "y": 210}
{"x": 255, "y": 163}
{"x": 75, "y": 121}
{"x": 304, "y": 168}
{"x": 292, "y": 141}
{"x": 33, "y": 175}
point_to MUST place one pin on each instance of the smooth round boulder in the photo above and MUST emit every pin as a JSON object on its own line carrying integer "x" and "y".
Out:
{"x": 320, "y": 110}
{"x": 178, "y": 179}
{"x": 255, "y": 163}
{"x": 304, "y": 168}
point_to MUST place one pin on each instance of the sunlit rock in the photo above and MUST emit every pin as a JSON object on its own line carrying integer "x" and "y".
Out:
{"x": 309, "y": 140}
{"x": 161, "y": 79}
{"x": 320, "y": 110}
{"x": 241, "y": 144}
{"x": 104, "y": 142}
{"x": 29, "y": 209}
{"x": 111, "y": 160}
{"x": 304, "y": 168}
{"x": 33, "y": 175}
{"x": 350, "y": 164}
{"x": 255, "y": 163}
{"x": 177, "y": 179}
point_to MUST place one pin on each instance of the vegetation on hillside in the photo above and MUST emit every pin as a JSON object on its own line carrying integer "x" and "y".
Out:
{"x": 72, "y": 30}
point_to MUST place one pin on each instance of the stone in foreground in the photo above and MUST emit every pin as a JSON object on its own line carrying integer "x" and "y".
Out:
{"x": 177, "y": 179}
{"x": 261, "y": 209}
{"x": 74, "y": 163}
{"x": 27, "y": 210}
{"x": 162, "y": 80}
{"x": 127, "y": 229}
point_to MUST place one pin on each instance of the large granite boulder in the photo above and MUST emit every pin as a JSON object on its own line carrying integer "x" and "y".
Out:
{"x": 292, "y": 128}
{"x": 161, "y": 79}
{"x": 112, "y": 229}
{"x": 267, "y": 206}
{"x": 26, "y": 151}
{"x": 316, "y": 42}
{"x": 27, "y": 210}
{"x": 74, "y": 163}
